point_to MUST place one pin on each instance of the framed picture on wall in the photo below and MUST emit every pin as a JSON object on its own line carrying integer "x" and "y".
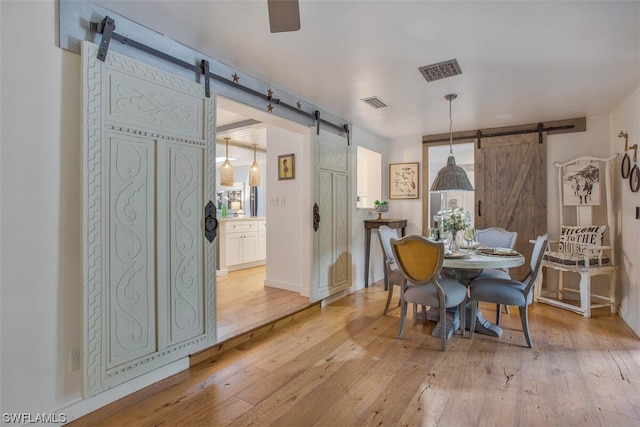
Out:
{"x": 581, "y": 184}
{"x": 286, "y": 166}
{"x": 404, "y": 180}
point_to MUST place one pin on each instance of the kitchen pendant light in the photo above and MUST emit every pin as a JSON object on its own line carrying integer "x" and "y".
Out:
{"x": 254, "y": 171}
{"x": 226, "y": 170}
{"x": 451, "y": 177}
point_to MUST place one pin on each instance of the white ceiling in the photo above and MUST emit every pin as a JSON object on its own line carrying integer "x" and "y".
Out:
{"x": 522, "y": 62}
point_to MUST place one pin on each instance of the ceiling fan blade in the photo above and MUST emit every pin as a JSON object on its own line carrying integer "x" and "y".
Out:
{"x": 284, "y": 15}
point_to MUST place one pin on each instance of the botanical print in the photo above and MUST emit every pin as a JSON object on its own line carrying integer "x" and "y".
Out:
{"x": 403, "y": 181}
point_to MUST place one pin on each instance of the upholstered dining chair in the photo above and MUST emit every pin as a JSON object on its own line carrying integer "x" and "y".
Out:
{"x": 392, "y": 275}
{"x": 510, "y": 292}
{"x": 497, "y": 237}
{"x": 420, "y": 261}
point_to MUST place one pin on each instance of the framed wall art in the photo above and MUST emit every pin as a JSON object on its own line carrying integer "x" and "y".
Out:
{"x": 286, "y": 166}
{"x": 404, "y": 180}
{"x": 581, "y": 184}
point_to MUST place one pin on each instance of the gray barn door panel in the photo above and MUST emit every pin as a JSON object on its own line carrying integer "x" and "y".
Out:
{"x": 149, "y": 170}
{"x": 332, "y": 193}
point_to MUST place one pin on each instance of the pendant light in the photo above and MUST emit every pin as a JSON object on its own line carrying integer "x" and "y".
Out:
{"x": 254, "y": 171}
{"x": 451, "y": 177}
{"x": 226, "y": 170}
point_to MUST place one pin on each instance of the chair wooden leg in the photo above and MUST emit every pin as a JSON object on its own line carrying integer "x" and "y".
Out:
{"x": 585, "y": 293}
{"x": 389, "y": 297}
{"x": 424, "y": 314}
{"x": 524, "y": 317}
{"x": 443, "y": 330}
{"x": 474, "y": 310}
{"x": 506, "y": 309}
{"x": 403, "y": 316}
{"x": 463, "y": 314}
{"x": 415, "y": 314}
{"x": 498, "y": 314}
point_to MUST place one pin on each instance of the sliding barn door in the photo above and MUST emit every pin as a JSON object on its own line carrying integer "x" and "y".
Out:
{"x": 511, "y": 188}
{"x": 149, "y": 170}
{"x": 332, "y": 212}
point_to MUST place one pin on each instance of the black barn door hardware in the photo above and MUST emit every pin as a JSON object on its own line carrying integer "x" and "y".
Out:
{"x": 316, "y": 217}
{"x": 107, "y": 26}
{"x": 210, "y": 221}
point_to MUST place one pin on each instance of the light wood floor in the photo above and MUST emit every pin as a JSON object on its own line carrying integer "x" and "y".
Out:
{"x": 243, "y": 302}
{"x": 345, "y": 367}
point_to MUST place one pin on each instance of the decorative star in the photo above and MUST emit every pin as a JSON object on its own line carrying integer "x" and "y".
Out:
{"x": 299, "y": 105}
{"x": 270, "y": 108}
{"x": 236, "y": 77}
{"x": 269, "y": 92}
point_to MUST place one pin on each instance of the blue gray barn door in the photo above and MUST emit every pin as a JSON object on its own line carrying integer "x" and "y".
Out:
{"x": 332, "y": 204}
{"x": 149, "y": 171}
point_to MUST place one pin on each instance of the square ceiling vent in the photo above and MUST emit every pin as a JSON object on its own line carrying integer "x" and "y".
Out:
{"x": 375, "y": 102}
{"x": 441, "y": 70}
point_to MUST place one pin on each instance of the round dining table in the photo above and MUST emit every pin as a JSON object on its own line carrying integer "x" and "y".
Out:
{"x": 466, "y": 266}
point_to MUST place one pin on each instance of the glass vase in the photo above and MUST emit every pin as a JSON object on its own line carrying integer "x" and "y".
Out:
{"x": 453, "y": 243}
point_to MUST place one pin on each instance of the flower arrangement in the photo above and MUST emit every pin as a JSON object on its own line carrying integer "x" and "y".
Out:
{"x": 380, "y": 207}
{"x": 454, "y": 219}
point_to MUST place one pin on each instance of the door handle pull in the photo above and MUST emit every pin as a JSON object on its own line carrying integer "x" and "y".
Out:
{"x": 210, "y": 221}
{"x": 316, "y": 217}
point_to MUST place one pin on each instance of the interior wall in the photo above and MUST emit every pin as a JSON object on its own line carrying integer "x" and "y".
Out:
{"x": 365, "y": 139}
{"x": 41, "y": 214}
{"x": 625, "y": 118}
{"x": 285, "y": 204}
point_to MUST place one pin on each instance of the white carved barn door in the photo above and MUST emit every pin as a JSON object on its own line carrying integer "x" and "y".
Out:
{"x": 149, "y": 170}
{"x": 332, "y": 203}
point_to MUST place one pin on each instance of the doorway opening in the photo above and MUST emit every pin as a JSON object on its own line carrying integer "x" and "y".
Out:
{"x": 246, "y": 298}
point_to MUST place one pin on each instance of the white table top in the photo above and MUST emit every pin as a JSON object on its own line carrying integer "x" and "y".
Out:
{"x": 478, "y": 262}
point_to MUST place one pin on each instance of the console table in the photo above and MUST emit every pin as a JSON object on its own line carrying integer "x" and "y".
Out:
{"x": 370, "y": 224}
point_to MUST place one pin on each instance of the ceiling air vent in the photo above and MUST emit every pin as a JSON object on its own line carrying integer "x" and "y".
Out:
{"x": 441, "y": 70}
{"x": 375, "y": 102}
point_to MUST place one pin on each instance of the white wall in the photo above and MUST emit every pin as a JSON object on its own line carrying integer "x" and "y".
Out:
{"x": 625, "y": 117}
{"x": 404, "y": 150}
{"x": 362, "y": 138}
{"x": 41, "y": 183}
{"x": 286, "y": 201}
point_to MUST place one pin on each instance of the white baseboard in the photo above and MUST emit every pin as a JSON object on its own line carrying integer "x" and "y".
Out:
{"x": 85, "y": 406}
{"x": 293, "y": 287}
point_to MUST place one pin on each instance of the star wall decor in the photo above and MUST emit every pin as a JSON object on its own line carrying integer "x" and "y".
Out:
{"x": 299, "y": 105}
{"x": 270, "y": 108}
{"x": 269, "y": 92}
{"x": 236, "y": 77}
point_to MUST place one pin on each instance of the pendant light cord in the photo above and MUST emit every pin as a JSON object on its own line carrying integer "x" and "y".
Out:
{"x": 450, "y": 129}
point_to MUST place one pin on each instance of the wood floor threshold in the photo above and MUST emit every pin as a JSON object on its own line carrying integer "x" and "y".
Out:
{"x": 251, "y": 334}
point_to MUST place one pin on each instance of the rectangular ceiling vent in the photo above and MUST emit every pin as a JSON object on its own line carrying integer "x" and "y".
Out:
{"x": 375, "y": 102}
{"x": 441, "y": 70}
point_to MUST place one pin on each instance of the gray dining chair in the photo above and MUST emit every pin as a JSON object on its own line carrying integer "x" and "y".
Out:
{"x": 420, "y": 261}
{"x": 510, "y": 292}
{"x": 497, "y": 237}
{"x": 392, "y": 275}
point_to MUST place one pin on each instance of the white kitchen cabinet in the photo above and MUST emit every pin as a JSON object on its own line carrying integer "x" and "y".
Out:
{"x": 262, "y": 239}
{"x": 242, "y": 243}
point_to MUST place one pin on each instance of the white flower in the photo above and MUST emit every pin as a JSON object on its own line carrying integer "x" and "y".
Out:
{"x": 455, "y": 219}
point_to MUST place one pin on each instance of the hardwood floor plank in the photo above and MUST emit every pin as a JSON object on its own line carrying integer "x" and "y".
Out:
{"x": 343, "y": 366}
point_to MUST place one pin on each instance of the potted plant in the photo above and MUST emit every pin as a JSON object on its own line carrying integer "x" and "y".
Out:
{"x": 380, "y": 207}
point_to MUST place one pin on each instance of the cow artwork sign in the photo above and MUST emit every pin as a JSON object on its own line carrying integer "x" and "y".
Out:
{"x": 581, "y": 184}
